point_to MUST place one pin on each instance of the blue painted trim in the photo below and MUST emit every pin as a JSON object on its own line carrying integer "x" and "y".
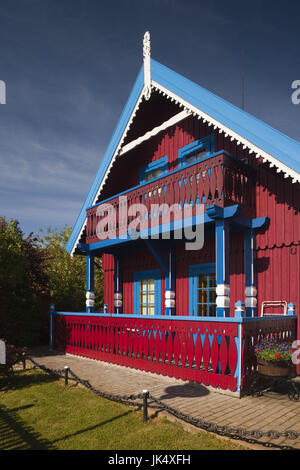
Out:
{"x": 150, "y": 232}
{"x": 249, "y": 257}
{"x": 250, "y": 265}
{"x": 207, "y": 143}
{"x": 239, "y": 365}
{"x": 90, "y": 277}
{"x": 149, "y": 274}
{"x": 194, "y": 271}
{"x": 125, "y": 116}
{"x": 160, "y": 163}
{"x": 118, "y": 287}
{"x": 259, "y": 133}
{"x": 170, "y": 278}
{"x": 51, "y": 313}
{"x": 222, "y": 258}
{"x": 180, "y": 318}
{"x": 220, "y": 152}
{"x": 251, "y": 223}
{"x": 222, "y": 251}
{"x": 264, "y": 136}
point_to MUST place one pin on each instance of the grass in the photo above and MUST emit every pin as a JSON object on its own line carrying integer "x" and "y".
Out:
{"x": 38, "y": 412}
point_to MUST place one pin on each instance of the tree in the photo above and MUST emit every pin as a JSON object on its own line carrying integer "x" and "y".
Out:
{"x": 21, "y": 280}
{"x": 35, "y": 271}
{"x": 67, "y": 274}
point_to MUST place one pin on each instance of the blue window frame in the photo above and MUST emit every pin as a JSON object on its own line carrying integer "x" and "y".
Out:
{"x": 202, "y": 290}
{"x": 196, "y": 151}
{"x": 147, "y": 292}
{"x": 154, "y": 170}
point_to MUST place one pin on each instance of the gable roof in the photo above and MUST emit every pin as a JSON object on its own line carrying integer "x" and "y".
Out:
{"x": 273, "y": 146}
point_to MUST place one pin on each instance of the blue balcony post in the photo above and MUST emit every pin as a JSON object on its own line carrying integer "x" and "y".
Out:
{"x": 250, "y": 273}
{"x": 90, "y": 283}
{"x": 239, "y": 315}
{"x": 170, "y": 288}
{"x": 222, "y": 230}
{"x": 291, "y": 309}
{"x": 118, "y": 290}
{"x": 51, "y": 313}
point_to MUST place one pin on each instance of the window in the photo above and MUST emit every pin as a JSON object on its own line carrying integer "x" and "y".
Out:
{"x": 203, "y": 290}
{"x": 147, "y": 292}
{"x": 147, "y": 296}
{"x": 153, "y": 170}
{"x": 196, "y": 151}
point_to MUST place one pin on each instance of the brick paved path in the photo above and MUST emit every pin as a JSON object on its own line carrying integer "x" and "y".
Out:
{"x": 272, "y": 411}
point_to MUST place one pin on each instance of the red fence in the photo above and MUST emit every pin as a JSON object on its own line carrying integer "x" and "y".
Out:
{"x": 205, "y": 352}
{"x": 212, "y": 352}
{"x": 220, "y": 180}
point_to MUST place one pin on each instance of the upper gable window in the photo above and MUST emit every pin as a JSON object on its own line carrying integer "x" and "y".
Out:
{"x": 196, "y": 151}
{"x": 153, "y": 170}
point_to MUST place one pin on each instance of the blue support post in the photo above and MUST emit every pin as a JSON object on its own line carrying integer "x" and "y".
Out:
{"x": 291, "y": 309}
{"x": 222, "y": 230}
{"x": 250, "y": 273}
{"x": 239, "y": 315}
{"x": 51, "y": 313}
{"x": 170, "y": 288}
{"x": 118, "y": 290}
{"x": 90, "y": 283}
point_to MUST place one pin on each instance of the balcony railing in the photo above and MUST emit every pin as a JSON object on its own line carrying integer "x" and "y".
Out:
{"x": 221, "y": 180}
{"x": 214, "y": 351}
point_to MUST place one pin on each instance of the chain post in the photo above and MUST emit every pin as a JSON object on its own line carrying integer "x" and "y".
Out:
{"x": 24, "y": 361}
{"x": 206, "y": 425}
{"x": 66, "y": 369}
{"x": 145, "y": 405}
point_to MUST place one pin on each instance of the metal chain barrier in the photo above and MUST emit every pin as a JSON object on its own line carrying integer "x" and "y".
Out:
{"x": 125, "y": 399}
{"x": 200, "y": 423}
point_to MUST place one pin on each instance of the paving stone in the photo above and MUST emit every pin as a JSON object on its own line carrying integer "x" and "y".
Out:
{"x": 268, "y": 412}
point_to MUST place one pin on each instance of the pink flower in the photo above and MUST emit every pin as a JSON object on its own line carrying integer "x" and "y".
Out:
{"x": 278, "y": 356}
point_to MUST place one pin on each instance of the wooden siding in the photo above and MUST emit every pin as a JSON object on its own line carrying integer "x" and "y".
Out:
{"x": 278, "y": 247}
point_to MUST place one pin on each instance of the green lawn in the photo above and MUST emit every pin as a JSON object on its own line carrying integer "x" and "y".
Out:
{"x": 39, "y": 412}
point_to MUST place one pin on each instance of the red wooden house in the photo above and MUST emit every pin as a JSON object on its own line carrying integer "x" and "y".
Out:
{"x": 188, "y": 291}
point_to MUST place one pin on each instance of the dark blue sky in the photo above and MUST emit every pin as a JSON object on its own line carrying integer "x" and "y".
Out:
{"x": 69, "y": 66}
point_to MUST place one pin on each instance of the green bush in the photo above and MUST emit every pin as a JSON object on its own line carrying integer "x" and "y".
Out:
{"x": 19, "y": 308}
{"x": 35, "y": 271}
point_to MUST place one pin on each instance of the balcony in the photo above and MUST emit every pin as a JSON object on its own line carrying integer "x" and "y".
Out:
{"x": 217, "y": 352}
{"x": 221, "y": 180}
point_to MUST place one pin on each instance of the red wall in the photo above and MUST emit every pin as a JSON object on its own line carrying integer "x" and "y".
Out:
{"x": 278, "y": 269}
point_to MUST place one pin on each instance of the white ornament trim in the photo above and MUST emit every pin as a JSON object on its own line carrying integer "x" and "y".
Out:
{"x": 169, "y": 303}
{"x": 147, "y": 67}
{"x": 90, "y": 295}
{"x": 169, "y": 294}
{"x": 273, "y": 161}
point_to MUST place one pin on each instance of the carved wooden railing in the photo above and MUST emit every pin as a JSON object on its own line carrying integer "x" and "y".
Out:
{"x": 220, "y": 180}
{"x": 212, "y": 351}
{"x": 201, "y": 351}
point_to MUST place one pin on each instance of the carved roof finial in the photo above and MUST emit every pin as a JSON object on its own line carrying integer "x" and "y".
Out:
{"x": 147, "y": 71}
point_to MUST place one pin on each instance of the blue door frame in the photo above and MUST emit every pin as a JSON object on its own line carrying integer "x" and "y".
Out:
{"x": 150, "y": 274}
{"x": 194, "y": 271}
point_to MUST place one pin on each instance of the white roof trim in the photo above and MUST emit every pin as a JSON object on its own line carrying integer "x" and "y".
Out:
{"x": 137, "y": 105}
{"x": 287, "y": 171}
{"x": 188, "y": 109}
{"x": 156, "y": 130}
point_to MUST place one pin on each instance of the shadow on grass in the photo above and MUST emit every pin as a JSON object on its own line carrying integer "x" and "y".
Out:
{"x": 16, "y": 435}
{"x": 20, "y": 380}
{"x": 91, "y": 428}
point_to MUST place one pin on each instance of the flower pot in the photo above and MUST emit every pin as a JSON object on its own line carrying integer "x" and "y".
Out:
{"x": 273, "y": 369}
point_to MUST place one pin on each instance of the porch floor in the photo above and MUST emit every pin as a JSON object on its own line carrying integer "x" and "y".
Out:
{"x": 272, "y": 411}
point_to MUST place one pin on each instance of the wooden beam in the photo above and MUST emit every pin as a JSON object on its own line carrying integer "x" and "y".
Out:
{"x": 173, "y": 120}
